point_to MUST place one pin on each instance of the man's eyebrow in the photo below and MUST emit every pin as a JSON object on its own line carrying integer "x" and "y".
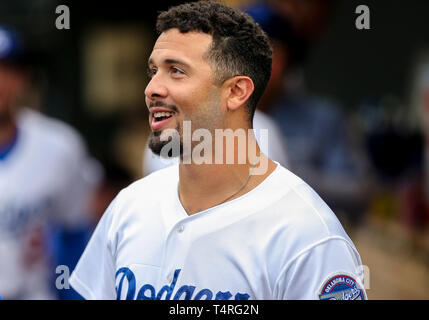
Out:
{"x": 169, "y": 61}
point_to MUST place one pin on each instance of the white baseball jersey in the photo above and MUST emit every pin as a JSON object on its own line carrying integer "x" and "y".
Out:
{"x": 275, "y": 148}
{"x": 45, "y": 178}
{"x": 278, "y": 241}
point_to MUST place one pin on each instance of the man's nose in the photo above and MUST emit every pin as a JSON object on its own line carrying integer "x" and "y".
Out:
{"x": 155, "y": 88}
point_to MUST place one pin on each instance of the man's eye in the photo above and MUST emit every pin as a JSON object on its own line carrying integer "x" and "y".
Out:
{"x": 176, "y": 70}
{"x": 151, "y": 72}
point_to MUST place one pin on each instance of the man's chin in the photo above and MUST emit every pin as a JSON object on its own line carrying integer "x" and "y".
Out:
{"x": 165, "y": 148}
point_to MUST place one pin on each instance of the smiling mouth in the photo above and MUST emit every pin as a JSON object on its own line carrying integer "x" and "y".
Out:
{"x": 160, "y": 119}
{"x": 161, "y": 116}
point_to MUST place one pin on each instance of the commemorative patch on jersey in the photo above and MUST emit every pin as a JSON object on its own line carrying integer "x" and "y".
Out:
{"x": 341, "y": 287}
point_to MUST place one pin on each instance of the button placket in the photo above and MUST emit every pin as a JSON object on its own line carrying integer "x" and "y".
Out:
{"x": 176, "y": 250}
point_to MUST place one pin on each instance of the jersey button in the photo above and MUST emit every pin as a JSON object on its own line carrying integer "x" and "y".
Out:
{"x": 181, "y": 228}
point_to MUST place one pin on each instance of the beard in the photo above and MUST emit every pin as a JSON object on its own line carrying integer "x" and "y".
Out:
{"x": 161, "y": 145}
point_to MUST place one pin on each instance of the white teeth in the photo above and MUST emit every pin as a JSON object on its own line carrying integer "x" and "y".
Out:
{"x": 162, "y": 114}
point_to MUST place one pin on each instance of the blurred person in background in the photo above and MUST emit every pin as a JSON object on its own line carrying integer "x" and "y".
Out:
{"x": 46, "y": 180}
{"x": 315, "y": 129}
{"x": 68, "y": 246}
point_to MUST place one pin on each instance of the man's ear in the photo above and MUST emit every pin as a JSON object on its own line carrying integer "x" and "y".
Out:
{"x": 238, "y": 91}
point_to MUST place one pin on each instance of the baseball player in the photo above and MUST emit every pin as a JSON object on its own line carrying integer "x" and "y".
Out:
{"x": 45, "y": 179}
{"x": 215, "y": 230}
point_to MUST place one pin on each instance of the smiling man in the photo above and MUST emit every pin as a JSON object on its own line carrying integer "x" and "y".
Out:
{"x": 215, "y": 231}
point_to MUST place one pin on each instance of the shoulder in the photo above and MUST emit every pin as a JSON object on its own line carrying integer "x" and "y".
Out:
{"x": 141, "y": 199}
{"x": 299, "y": 225}
{"x": 306, "y": 218}
{"x": 54, "y": 133}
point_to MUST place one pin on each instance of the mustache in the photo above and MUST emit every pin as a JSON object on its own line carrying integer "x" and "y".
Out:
{"x": 163, "y": 104}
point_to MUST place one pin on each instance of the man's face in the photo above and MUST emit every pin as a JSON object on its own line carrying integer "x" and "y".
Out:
{"x": 182, "y": 86}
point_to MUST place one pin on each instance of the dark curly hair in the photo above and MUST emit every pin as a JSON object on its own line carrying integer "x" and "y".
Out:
{"x": 239, "y": 47}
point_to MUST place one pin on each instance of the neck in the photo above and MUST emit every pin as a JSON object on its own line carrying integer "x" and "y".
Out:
{"x": 202, "y": 186}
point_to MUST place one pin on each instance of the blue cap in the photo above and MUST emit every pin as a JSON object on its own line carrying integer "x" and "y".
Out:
{"x": 276, "y": 26}
{"x": 11, "y": 48}
{"x": 279, "y": 28}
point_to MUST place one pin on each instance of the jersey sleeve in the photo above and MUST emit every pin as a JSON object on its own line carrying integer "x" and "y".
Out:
{"x": 94, "y": 275}
{"x": 328, "y": 270}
